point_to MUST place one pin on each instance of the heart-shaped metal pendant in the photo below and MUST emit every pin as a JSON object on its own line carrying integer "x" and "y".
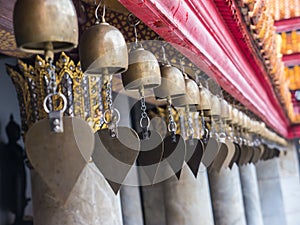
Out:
{"x": 194, "y": 154}
{"x": 230, "y": 155}
{"x": 59, "y": 158}
{"x": 150, "y": 155}
{"x": 220, "y": 158}
{"x": 210, "y": 152}
{"x": 236, "y": 156}
{"x": 174, "y": 153}
{"x": 114, "y": 156}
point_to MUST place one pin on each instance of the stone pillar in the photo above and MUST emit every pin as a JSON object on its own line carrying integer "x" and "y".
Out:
{"x": 289, "y": 173}
{"x": 153, "y": 204}
{"x": 130, "y": 195}
{"x": 187, "y": 201}
{"x": 91, "y": 202}
{"x": 251, "y": 195}
{"x": 270, "y": 192}
{"x": 131, "y": 201}
{"x": 227, "y": 198}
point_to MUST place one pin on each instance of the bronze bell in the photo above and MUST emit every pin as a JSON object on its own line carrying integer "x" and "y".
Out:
{"x": 192, "y": 96}
{"x": 103, "y": 50}
{"x": 172, "y": 83}
{"x": 205, "y": 103}
{"x": 215, "y": 107}
{"x": 41, "y": 25}
{"x": 224, "y": 110}
{"x": 143, "y": 71}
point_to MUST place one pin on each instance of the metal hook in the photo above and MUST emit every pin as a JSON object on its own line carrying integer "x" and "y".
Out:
{"x": 165, "y": 60}
{"x": 130, "y": 20}
{"x": 103, "y": 12}
{"x": 182, "y": 68}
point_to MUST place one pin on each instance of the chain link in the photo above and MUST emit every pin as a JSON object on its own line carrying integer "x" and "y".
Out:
{"x": 109, "y": 95}
{"x": 51, "y": 71}
{"x": 111, "y": 112}
{"x": 144, "y": 116}
{"x": 172, "y": 127}
{"x": 190, "y": 129}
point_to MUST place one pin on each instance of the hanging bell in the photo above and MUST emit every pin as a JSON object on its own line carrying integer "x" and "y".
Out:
{"x": 143, "y": 70}
{"x": 215, "y": 107}
{"x": 172, "y": 83}
{"x": 38, "y": 23}
{"x": 205, "y": 104}
{"x": 192, "y": 96}
{"x": 229, "y": 109}
{"x": 235, "y": 116}
{"x": 224, "y": 110}
{"x": 103, "y": 50}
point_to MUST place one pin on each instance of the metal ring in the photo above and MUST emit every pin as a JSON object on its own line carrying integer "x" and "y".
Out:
{"x": 148, "y": 122}
{"x": 172, "y": 127}
{"x": 114, "y": 111}
{"x": 53, "y": 94}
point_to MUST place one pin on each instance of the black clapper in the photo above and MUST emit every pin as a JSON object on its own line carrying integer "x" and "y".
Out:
{"x": 242, "y": 157}
{"x": 114, "y": 156}
{"x": 256, "y": 155}
{"x": 236, "y": 155}
{"x": 150, "y": 155}
{"x": 194, "y": 154}
{"x": 249, "y": 156}
{"x": 174, "y": 152}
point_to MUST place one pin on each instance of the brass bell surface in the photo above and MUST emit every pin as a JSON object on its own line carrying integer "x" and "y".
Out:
{"x": 172, "y": 83}
{"x": 215, "y": 107}
{"x": 191, "y": 97}
{"x": 235, "y": 116}
{"x": 103, "y": 50}
{"x": 205, "y": 103}
{"x": 224, "y": 110}
{"x": 229, "y": 112}
{"x": 143, "y": 71}
{"x": 40, "y": 22}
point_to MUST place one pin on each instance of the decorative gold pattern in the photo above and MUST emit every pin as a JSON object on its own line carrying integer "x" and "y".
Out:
{"x": 32, "y": 84}
{"x": 8, "y": 45}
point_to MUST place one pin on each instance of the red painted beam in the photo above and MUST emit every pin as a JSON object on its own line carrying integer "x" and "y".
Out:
{"x": 291, "y": 60}
{"x": 287, "y": 24}
{"x": 197, "y": 30}
{"x": 293, "y": 132}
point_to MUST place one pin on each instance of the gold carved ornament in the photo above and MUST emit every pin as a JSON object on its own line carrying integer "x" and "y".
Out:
{"x": 32, "y": 84}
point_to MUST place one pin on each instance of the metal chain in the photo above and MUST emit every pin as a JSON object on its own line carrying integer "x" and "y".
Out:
{"x": 172, "y": 127}
{"x": 51, "y": 71}
{"x": 143, "y": 108}
{"x": 144, "y": 121}
{"x": 109, "y": 95}
{"x": 113, "y": 113}
{"x": 190, "y": 129}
